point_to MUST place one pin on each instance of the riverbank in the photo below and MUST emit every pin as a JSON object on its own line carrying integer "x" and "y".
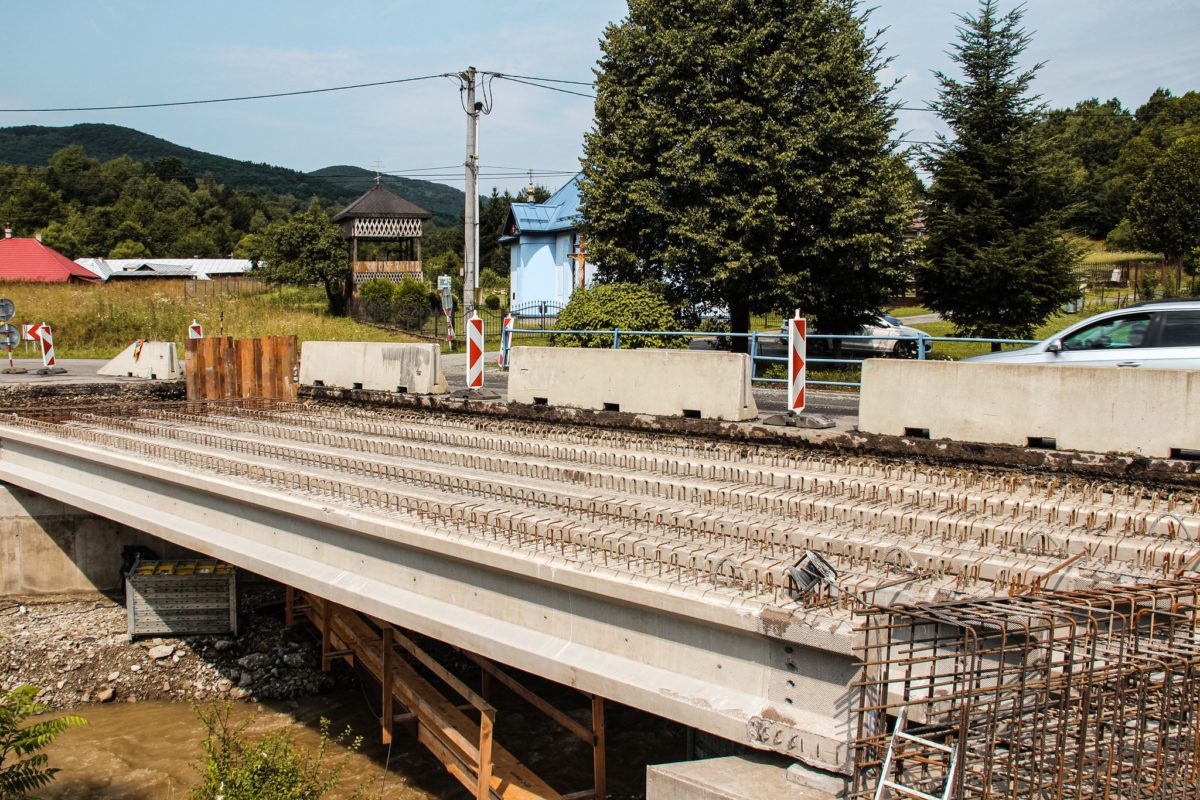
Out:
{"x": 75, "y": 649}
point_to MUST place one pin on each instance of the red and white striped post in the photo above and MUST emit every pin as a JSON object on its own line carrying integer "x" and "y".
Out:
{"x": 475, "y": 352}
{"x": 797, "y": 361}
{"x": 41, "y": 331}
{"x": 505, "y": 341}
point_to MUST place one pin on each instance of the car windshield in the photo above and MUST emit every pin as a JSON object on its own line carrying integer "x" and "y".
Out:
{"x": 1110, "y": 334}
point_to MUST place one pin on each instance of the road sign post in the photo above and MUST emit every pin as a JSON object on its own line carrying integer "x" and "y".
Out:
{"x": 10, "y": 334}
{"x": 475, "y": 352}
{"x": 41, "y": 331}
{"x": 797, "y": 362}
{"x": 505, "y": 341}
{"x": 195, "y": 330}
{"x": 445, "y": 286}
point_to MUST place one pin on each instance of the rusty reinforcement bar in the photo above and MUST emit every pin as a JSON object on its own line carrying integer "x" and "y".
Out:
{"x": 1089, "y": 694}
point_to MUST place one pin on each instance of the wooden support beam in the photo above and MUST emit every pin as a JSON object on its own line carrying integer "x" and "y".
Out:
{"x": 483, "y": 786}
{"x": 528, "y": 696}
{"x": 386, "y": 718}
{"x": 599, "y": 765}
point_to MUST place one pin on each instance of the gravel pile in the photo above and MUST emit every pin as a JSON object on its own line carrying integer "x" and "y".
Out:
{"x": 76, "y": 649}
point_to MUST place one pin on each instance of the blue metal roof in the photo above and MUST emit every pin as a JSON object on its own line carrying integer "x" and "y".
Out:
{"x": 559, "y": 213}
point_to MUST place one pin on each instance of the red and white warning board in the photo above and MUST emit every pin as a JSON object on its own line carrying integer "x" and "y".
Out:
{"x": 475, "y": 352}
{"x": 195, "y": 330}
{"x": 797, "y": 361}
{"x": 40, "y": 332}
{"x": 505, "y": 341}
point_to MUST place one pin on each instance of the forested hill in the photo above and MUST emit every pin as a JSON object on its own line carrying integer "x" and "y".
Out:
{"x": 33, "y": 145}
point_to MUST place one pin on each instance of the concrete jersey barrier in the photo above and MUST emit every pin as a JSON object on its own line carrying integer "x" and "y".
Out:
{"x": 1149, "y": 412}
{"x": 150, "y": 360}
{"x": 688, "y": 383}
{"x": 378, "y": 366}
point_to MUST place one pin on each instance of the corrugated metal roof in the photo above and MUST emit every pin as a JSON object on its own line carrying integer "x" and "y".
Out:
{"x": 200, "y": 268}
{"x": 381, "y": 202}
{"x": 30, "y": 260}
{"x": 560, "y": 212}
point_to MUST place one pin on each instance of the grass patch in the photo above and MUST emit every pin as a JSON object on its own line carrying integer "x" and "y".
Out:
{"x": 99, "y": 321}
{"x": 908, "y": 311}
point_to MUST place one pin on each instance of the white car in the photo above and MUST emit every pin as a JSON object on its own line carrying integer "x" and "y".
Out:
{"x": 885, "y": 331}
{"x": 1157, "y": 335}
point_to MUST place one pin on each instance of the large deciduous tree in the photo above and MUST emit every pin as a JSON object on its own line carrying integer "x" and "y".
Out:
{"x": 307, "y": 249}
{"x": 1165, "y": 210}
{"x": 997, "y": 264}
{"x": 741, "y": 158}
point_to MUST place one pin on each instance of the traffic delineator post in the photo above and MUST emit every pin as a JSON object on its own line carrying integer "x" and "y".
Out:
{"x": 195, "y": 330}
{"x": 505, "y": 341}
{"x": 797, "y": 362}
{"x": 41, "y": 332}
{"x": 475, "y": 352}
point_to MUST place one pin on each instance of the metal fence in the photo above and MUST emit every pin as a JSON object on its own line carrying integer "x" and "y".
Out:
{"x": 766, "y": 349}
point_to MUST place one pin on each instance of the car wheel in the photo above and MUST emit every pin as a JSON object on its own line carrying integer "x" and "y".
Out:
{"x": 905, "y": 349}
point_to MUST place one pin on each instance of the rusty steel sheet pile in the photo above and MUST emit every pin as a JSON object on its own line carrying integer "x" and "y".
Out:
{"x": 796, "y": 531}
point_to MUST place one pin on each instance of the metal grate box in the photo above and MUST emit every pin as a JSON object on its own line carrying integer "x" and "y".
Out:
{"x": 181, "y": 597}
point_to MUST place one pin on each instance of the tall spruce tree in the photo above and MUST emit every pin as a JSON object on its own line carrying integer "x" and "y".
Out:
{"x": 997, "y": 263}
{"x": 741, "y": 158}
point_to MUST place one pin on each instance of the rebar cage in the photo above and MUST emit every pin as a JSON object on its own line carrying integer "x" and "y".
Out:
{"x": 1084, "y": 694}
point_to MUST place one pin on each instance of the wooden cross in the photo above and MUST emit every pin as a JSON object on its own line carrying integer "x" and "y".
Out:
{"x": 580, "y": 259}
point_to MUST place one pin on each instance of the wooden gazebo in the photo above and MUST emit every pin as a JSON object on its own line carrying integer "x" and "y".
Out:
{"x": 384, "y": 231}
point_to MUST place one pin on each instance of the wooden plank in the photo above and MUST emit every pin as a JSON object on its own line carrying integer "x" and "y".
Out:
{"x": 291, "y": 385}
{"x": 249, "y": 367}
{"x": 491, "y": 670}
{"x": 270, "y": 367}
{"x": 229, "y": 369}
{"x": 192, "y": 369}
{"x": 599, "y": 765}
{"x": 442, "y": 727}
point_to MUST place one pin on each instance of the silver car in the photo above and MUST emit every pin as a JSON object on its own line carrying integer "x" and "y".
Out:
{"x": 1158, "y": 335}
{"x": 885, "y": 332}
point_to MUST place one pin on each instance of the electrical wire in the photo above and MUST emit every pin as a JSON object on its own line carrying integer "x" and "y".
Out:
{"x": 543, "y": 80}
{"x": 224, "y": 99}
{"x": 543, "y": 86}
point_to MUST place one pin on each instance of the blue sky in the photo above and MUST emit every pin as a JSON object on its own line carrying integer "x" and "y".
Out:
{"x": 91, "y": 52}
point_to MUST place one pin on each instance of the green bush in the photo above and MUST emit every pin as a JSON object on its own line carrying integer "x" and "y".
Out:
{"x": 22, "y": 768}
{"x": 616, "y": 305}
{"x": 491, "y": 302}
{"x": 377, "y": 290}
{"x": 410, "y": 293}
{"x": 270, "y": 768}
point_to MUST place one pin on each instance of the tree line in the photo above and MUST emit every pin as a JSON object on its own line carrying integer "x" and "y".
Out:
{"x": 743, "y": 159}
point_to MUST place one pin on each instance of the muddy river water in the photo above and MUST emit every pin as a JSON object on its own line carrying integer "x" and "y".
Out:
{"x": 150, "y": 750}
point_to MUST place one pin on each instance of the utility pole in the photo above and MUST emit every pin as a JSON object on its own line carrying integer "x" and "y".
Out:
{"x": 471, "y": 209}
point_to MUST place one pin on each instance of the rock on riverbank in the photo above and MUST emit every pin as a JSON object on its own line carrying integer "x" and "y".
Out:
{"x": 76, "y": 650}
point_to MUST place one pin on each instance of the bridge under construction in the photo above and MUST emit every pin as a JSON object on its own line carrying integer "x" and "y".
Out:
{"x": 954, "y": 631}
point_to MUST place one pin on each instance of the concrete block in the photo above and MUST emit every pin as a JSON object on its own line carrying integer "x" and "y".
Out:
{"x": 704, "y": 384}
{"x": 748, "y": 777}
{"x": 1149, "y": 412}
{"x": 377, "y": 366}
{"x": 150, "y": 360}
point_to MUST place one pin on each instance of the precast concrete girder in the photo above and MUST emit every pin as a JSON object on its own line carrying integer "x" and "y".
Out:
{"x": 735, "y": 668}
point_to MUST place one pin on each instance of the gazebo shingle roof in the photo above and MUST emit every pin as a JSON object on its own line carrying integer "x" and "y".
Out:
{"x": 380, "y": 202}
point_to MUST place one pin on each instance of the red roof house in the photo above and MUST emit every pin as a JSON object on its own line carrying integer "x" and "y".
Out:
{"x": 30, "y": 260}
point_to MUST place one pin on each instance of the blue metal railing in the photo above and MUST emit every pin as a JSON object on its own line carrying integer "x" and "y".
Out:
{"x": 924, "y": 344}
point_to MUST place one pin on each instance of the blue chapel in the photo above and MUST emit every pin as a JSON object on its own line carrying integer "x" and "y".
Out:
{"x": 547, "y": 256}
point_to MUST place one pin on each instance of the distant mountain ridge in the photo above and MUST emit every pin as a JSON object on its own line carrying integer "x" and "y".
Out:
{"x": 33, "y": 145}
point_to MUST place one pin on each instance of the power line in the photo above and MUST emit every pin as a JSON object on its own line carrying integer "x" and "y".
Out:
{"x": 544, "y": 80}
{"x": 548, "y": 88}
{"x": 222, "y": 99}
